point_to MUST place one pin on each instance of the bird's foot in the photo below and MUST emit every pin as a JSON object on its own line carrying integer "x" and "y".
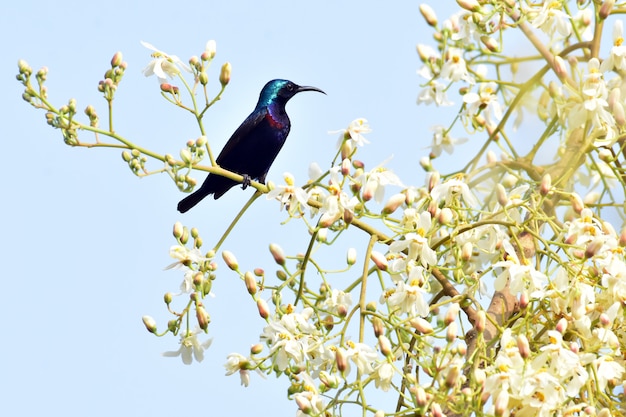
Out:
{"x": 246, "y": 181}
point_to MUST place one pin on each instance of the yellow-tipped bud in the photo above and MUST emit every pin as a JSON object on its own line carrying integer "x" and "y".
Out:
{"x": 225, "y": 74}
{"x": 256, "y": 349}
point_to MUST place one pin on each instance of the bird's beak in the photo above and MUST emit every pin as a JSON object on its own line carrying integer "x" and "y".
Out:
{"x": 309, "y": 88}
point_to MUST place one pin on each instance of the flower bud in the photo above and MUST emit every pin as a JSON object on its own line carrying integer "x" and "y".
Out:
{"x": 351, "y": 256}
{"x": 225, "y": 74}
{"x": 466, "y": 251}
{"x": 178, "y": 229}
{"x": 606, "y": 155}
{"x": 379, "y": 327}
{"x": 116, "y": 61}
{"x": 203, "y": 317}
{"x": 278, "y": 254}
{"x": 452, "y": 377}
{"x": 606, "y": 9}
{"x": 501, "y": 405}
{"x": 385, "y": 345}
{"x": 209, "y": 50}
{"x": 560, "y": 68}
{"x": 561, "y": 325}
{"x": 452, "y": 313}
{"x": 345, "y": 167}
{"x": 481, "y": 321}
{"x": 546, "y": 185}
{"x": 203, "y": 77}
{"x": 490, "y": 43}
{"x": 303, "y": 403}
{"x": 341, "y": 360}
{"x": 435, "y": 408}
{"x": 264, "y": 310}
{"x": 577, "y": 203}
{"x": 250, "y": 281}
{"x": 451, "y": 332}
{"x": 256, "y": 349}
{"x": 593, "y": 248}
{"x": 470, "y": 5}
{"x": 421, "y": 398}
{"x": 429, "y": 14}
{"x": 523, "y": 346}
{"x": 149, "y": 323}
{"x": 393, "y": 203}
{"x": 379, "y": 260}
{"x": 421, "y": 325}
{"x": 230, "y": 260}
{"x": 329, "y": 381}
{"x": 445, "y": 216}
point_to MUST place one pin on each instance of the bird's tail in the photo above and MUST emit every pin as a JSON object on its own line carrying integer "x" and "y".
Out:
{"x": 191, "y": 200}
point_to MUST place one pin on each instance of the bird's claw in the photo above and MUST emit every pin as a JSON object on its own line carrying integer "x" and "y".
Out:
{"x": 246, "y": 181}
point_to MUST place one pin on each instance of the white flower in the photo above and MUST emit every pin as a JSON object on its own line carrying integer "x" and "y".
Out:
{"x": 377, "y": 179}
{"x": 451, "y": 190}
{"x": 382, "y": 376}
{"x": 337, "y": 300}
{"x": 362, "y": 355}
{"x": 485, "y": 102}
{"x": 289, "y": 195}
{"x": 550, "y": 18}
{"x": 163, "y": 65}
{"x": 617, "y": 56}
{"x": 434, "y": 92}
{"x": 455, "y": 68}
{"x": 190, "y": 347}
{"x": 443, "y": 141}
{"x": 520, "y": 275}
{"x": 410, "y": 298}
{"x": 354, "y": 133}
{"x": 239, "y": 363}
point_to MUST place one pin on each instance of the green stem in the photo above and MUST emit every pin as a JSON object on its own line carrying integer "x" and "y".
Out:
{"x": 256, "y": 195}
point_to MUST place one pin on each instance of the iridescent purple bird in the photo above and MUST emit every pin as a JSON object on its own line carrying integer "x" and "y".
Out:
{"x": 251, "y": 150}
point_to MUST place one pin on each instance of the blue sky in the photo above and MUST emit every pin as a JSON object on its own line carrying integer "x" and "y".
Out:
{"x": 85, "y": 242}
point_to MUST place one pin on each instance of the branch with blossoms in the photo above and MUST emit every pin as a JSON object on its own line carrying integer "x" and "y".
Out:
{"x": 498, "y": 289}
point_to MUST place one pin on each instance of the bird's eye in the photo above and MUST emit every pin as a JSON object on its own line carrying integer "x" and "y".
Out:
{"x": 290, "y": 87}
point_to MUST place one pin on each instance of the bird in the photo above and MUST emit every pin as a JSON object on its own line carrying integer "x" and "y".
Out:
{"x": 252, "y": 148}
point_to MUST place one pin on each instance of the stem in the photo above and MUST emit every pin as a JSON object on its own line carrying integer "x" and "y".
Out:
{"x": 256, "y": 195}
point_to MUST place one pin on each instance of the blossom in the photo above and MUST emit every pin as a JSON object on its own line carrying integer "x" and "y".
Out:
{"x": 484, "y": 102}
{"x": 290, "y": 338}
{"x": 337, "y": 301}
{"x": 443, "y": 141}
{"x": 238, "y": 363}
{"x": 550, "y": 18}
{"x": 163, "y": 65}
{"x": 354, "y": 133}
{"x": 455, "y": 67}
{"x": 377, "y": 179}
{"x": 289, "y": 195}
{"x": 521, "y": 275}
{"x": 190, "y": 347}
{"x": 617, "y": 56}
{"x": 451, "y": 190}
{"x": 338, "y": 202}
{"x": 362, "y": 355}
{"x": 434, "y": 92}
{"x": 410, "y": 298}
{"x": 416, "y": 243}
{"x": 382, "y": 376}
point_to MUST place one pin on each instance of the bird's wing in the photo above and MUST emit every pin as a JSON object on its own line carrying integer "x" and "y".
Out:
{"x": 242, "y": 132}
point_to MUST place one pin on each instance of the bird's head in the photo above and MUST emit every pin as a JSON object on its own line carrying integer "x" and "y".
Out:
{"x": 282, "y": 91}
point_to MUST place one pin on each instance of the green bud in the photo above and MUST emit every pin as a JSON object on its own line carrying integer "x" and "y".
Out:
{"x": 225, "y": 74}
{"x": 203, "y": 78}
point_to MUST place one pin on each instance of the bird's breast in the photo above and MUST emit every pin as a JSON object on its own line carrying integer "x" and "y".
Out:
{"x": 273, "y": 122}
